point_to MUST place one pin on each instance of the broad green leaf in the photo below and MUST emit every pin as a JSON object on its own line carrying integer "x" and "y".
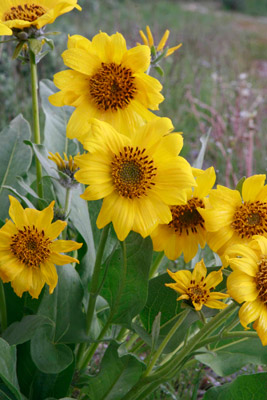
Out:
{"x": 22, "y": 331}
{"x": 246, "y": 387}
{"x": 234, "y": 355}
{"x": 56, "y": 119}
{"x": 8, "y": 368}
{"x": 49, "y": 356}
{"x": 15, "y": 158}
{"x": 37, "y": 385}
{"x": 64, "y": 308}
{"x": 116, "y": 377}
{"x": 125, "y": 287}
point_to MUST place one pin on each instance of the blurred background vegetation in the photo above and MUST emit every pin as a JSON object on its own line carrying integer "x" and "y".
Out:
{"x": 215, "y": 80}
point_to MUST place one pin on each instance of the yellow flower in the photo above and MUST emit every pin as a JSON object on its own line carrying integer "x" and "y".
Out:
{"x": 67, "y": 166}
{"x": 28, "y": 249}
{"x": 149, "y": 41}
{"x": 137, "y": 175}
{"x": 196, "y": 287}
{"x": 247, "y": 283}
{"x": 235, "y": 219}
{"x": 187, "y": 228}
{"x": 4, "y": 30}
{"x": 107, "y": 82}
{"x": 20, "y": 14}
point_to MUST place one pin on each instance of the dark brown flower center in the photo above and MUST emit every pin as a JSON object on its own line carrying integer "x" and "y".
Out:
{"x": 197, "y": 292}
{"x": 186, "y": 218}
{"x": 250, "y": 219}
{"x": 133, "y": 172}
{"x": 25, "y": 12}
{"x": 112, "y": 87}
{"x": 30, "y": 246}
{"x": 261, "y": 280}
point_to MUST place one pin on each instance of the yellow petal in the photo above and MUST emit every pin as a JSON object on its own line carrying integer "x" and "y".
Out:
{"x": 242, "y": 287}
{"x": 252, "y": 186}
{"x": 81, "y": 61}
{"x": 173, "y": 49}
{"x": 23, "y": 281}
{"x": 163, "y": 40}
{"x": 150, "y": 36}
{"x": 137, "y": 59}
{"x": 200, "y": 271}
{"x": 261, "y": 326}
{"x": 17, "y": 213}
{"x": 250, "y": 311}
{"x": 62, "y": 246}
{"x": 53, "y": 231}
{"x": 49, "y": 273}
{"x": 144, "y": 38}
{"x": 213, "y": 279}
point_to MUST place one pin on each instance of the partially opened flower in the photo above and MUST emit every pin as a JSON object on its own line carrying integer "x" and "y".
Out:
{"x": 148, "y": 40}
{"x": 66, "y": 167}
{"x": 247, "y": 283}
{"x": 108, "y": 82}
{"x": 186, "y": 231}
{"x": 197, "y": 288}
{"x": 20, "y": 14}
{"x": 235, "y": 219}
{"x": 29, "y": 249}
{"x": 137, "y": 175}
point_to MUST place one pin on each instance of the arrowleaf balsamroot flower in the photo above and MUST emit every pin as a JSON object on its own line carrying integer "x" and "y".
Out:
{"x": 66, "y": 167}
{"x": 235, "y": 219}
{"x": 148, "y": 40}
{"x": 247, "y": 283}
{"x": 29, "y": 251}
{"x": 187, "y": 228}
{"x": 197, "y": 288}
{"x": 137, "y": 175}
{"x": 20, "y": 14}
{"x": 108, "y": 82}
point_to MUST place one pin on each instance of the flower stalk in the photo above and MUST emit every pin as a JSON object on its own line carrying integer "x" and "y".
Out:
{"x": 36, "y": 121}
{"x": 3, "y": 313}
{"x": 93, "y": 293}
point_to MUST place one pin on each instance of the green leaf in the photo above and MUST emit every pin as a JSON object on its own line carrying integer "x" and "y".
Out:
{"x": 64, "y": 307}
{"x": 159, "y": 70}
{"x": 204, "y": 142}
{"x": 240, "y": 184}
{"x": 247, "y": 387}
{"x": 22, "y": 331}
{"x": 8, "y": 367}
{"x": 15, "y": 158}
{"x": 35, "y": 45}
{"x": 56, "y": 119}
{"x": 17, "y": 50}
{"x": 234, "y": 355}
{"x": 116, "y": 377}
{"x": 125, "y": 287}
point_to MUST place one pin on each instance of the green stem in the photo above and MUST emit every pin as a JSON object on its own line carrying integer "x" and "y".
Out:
{"x": 67, "y": 209}
{"x": 93, "y": 290}
{"x": 210, "y": 326}
{"x": 165, "y": 341}
{"x": 88, "y": 354}
{"x": 121, "y": 334}
{"x": 156, "y": 264}
{"x": 36, "y": 122}
{"x": 3, "y": 313}
{"x": 227, "y": 335}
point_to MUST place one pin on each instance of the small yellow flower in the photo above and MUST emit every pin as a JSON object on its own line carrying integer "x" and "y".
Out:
{"x": 149, "y": 41}
{"x": 197, "y": 288}
{"x": 108, "y": 82}
{"x": 29, "y": 251}
{"x": 187, "y": 228}
{"x": 233, "y": 218}
{"x": 20, "y": 14}
{"x": 137, "y": 175}
{"x": 247, "y": 283}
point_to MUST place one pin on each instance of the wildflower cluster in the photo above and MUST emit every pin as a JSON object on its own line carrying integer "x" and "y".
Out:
{"x": 125, "y": 168}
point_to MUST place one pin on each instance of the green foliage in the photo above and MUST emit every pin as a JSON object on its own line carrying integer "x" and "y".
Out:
{"x": 116, "y": 377}
{"x": 249, "y": 387}
{"x": 8, "y": 368}
{"x": 15, "y": 158}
